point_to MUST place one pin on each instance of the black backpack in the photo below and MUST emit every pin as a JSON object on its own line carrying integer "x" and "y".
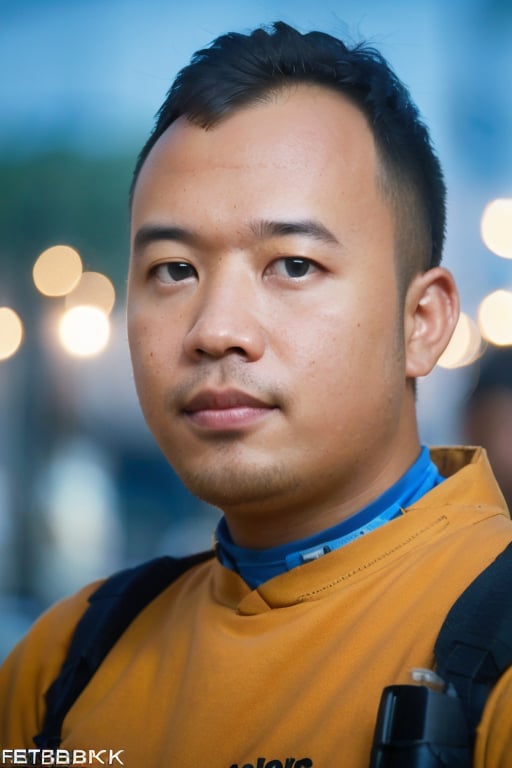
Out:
{"x": 473, "y": 649}
{"x": 111, "y": 609}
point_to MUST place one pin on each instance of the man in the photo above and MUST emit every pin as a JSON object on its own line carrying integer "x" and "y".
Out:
{"x": 284, "y": 294}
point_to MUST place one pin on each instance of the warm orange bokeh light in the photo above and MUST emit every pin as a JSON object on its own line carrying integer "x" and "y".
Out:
{"x": 465, "y": 345}
{"x": 93, "y": 289}
{"x": 11, "y": 332}
{"x": 57, "y": 270}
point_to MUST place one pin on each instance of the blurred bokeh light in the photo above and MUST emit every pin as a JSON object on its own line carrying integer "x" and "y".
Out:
{"x": 464, "y": 346}
{"x": 57, "y": 270}
{"x": 84, "y": 331}
{"x": 94, "y": 289}
{"x": 11, "y": 332}
{"x": 496, "y": 226}
{"x": 495, "y": 317}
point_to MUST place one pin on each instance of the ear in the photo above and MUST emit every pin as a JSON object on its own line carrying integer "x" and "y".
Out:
{"x": 430, "y": 315}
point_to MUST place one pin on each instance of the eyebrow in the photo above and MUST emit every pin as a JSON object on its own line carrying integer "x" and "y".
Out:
{"x": 151, "y": 233}
{"x": 263, "y": 229}
{"x": 266, "y": 229}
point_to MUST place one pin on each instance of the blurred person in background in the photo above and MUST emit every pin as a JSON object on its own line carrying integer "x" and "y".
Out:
{"x": 488, "y": 415}
{"x": 285, "y": 291}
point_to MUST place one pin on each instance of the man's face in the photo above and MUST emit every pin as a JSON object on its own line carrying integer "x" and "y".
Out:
{"x": 263, "y": 311}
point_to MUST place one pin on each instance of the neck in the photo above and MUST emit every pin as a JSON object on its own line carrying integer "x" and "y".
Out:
{"x": 313, "y": 506}
{"x": 258, "y": 566}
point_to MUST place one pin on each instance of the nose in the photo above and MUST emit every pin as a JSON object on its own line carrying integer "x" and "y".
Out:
{"x": 227, "y": 320}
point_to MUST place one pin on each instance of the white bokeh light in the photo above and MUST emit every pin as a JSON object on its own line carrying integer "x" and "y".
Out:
{"x": 495, "y": 317}
{"x": 84, "y": 331}
{"x": 496, "y": 227}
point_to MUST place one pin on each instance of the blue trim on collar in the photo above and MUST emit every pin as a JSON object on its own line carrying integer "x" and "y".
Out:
{"x": 257, "y": 566}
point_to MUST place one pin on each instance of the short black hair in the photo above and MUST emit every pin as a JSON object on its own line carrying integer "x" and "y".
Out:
{"x": 237, "y": 70}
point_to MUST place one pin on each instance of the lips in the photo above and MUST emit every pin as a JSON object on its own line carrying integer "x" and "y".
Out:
{"x": 226, "y": 409}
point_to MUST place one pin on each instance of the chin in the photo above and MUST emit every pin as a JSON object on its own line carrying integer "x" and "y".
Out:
{"x": 227, "y": 486}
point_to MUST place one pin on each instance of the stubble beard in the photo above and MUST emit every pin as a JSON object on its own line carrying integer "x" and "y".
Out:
{"x": 228, "y": 483}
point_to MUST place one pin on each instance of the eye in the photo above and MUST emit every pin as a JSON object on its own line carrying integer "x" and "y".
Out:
{"x": 291, "y": 266}
{"x": 174, "y": 271}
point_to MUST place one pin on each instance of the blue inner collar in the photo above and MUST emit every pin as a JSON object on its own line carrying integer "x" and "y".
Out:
{"x": 256, "y": 566}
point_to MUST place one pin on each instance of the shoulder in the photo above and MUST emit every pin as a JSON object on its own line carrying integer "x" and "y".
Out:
{"x": 494, "y": 737}
{"x": 33, "y": 664}
{"x": 36, "y": 662}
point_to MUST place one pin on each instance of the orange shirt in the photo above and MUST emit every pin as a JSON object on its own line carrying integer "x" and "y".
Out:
{"x": 286, "y": 676}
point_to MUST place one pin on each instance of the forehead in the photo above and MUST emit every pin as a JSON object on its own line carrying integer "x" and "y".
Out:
{"x": 301, "y": 149}
{"x": 309, "y": 124}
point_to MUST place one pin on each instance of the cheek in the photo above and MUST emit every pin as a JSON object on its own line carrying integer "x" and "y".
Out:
{"x": 149, "y": 349}
{"x": 319, "y": 356}
{"x": 347, "y": 357}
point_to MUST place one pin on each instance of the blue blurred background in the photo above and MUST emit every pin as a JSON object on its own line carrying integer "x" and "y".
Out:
{"x": 83, "y": 489}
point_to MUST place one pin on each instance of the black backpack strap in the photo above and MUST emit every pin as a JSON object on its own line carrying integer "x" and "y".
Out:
{"x": 474, "y": 646}
{"x": 111, "y": 609}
